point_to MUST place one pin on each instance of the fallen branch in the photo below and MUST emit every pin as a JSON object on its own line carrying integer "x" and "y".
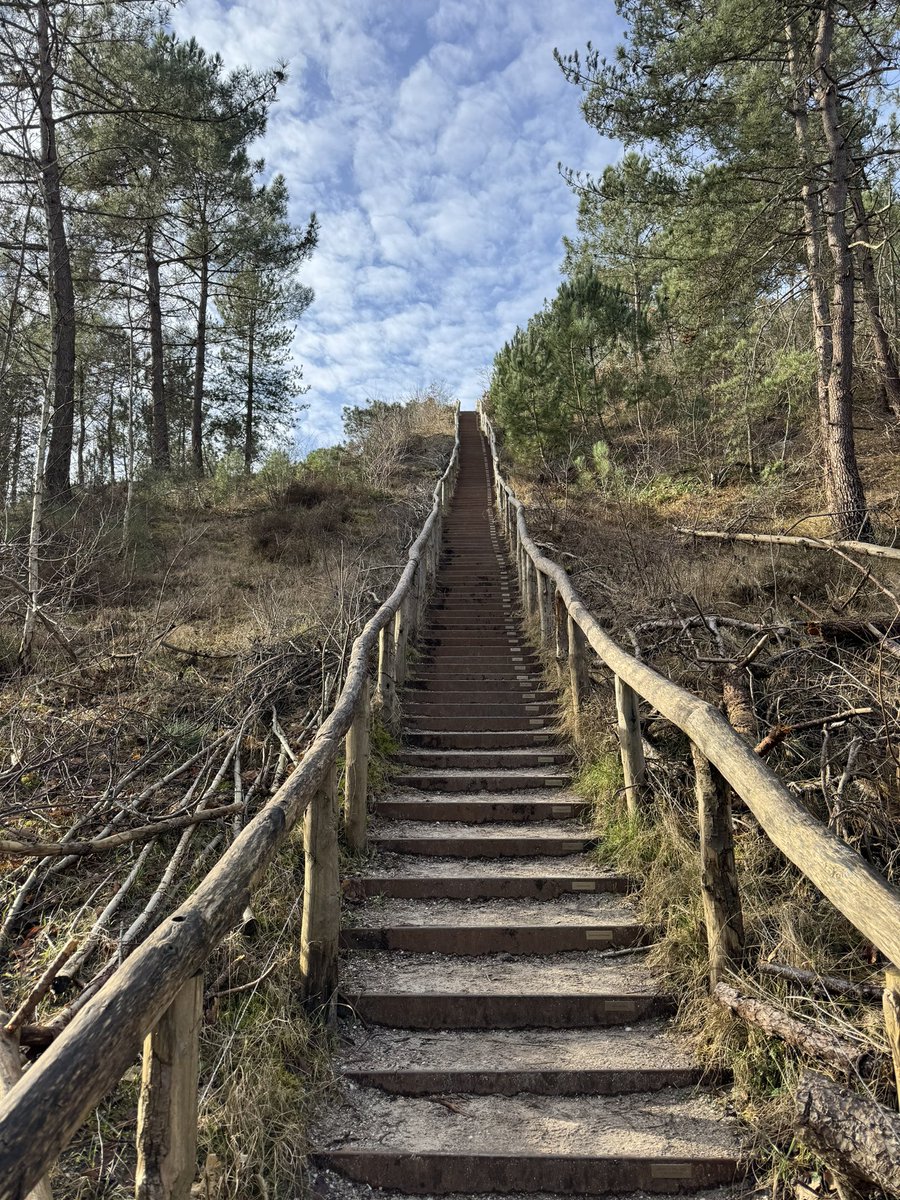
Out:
{"x": 40, "y": 990}
{"x": 784, "y": 539}
{"x": 864, "y": 992}
{"x": 847, "y": 1057}
{"x": 858, "y": 1135}
{"x": 778, "y": 733}
{"x": 98, "y": 846}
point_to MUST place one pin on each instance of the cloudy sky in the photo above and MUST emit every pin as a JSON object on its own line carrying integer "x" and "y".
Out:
{"x": 426, "y": 135}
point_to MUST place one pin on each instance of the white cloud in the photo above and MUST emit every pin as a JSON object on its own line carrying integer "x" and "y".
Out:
{"x": 427, "y": 136}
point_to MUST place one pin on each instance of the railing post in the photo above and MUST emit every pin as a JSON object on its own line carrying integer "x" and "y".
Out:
{"x": 630, "y": 744}
{"x": 356, "y": 773}
{"x": 321, "y": 925}
{"x": 561, "y": 635}
{"x": 718, "y": 872}
{"x": 401, "y": 637}
{"x": 167, "y": 1108}
{"x": 529, "y": 586}
{"x": 386, "y": 691}
{"x": 891, "y": 1007}
{"x": 545, "y": 606}
{"x": 10, "y": 1074}
{"x": 578, "y": 669}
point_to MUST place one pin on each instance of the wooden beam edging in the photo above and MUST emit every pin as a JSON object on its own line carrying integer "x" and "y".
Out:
{"x": 41, "y": 1114}
{"x": 856, "y": 890}
{"x": 791, "y": 539}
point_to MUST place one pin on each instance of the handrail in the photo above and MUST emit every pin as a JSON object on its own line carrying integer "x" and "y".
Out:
{"x": 856, "y": 889}
{"x": 40, "y": 1115}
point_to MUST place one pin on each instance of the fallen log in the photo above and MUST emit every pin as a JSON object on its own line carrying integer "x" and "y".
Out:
{"x": 860, "y": 1136}
{"x": 778, "y": 733}
{"x": 99, "y": 845}
{"x": 785, "y": 539}
{"x": 845, "y": 1056}
{"x": 866, "y": 993}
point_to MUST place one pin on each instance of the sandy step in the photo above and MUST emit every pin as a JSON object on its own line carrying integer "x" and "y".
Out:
{"x": 468, "y": 739}
{"x": 458, "y": 779}
{"x": 479, "y": 808}
{"x": 481, "y": 759}
{"x": 559, "y": 991}
{"x": 418, "y": 877}
{"x": 576, "y": 923}
{"x": 479, "y": 841}
{"x": 664, "y": 1141}
{"x": 482, "y": 724}
{"x": 555, "y": 1062}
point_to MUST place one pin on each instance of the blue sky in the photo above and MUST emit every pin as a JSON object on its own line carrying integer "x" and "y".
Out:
{"x": 426, "y": 135}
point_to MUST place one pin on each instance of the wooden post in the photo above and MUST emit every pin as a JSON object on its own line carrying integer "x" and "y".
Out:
{"x": 167, "y": 1108}
{"x": 891, "y": 1005}
{"x": 718, "y": 873}
{"x": 578, "y": 670}
{"x": 401, "y": 635}
{"x": 630, "y": 745}
{"x": 356, "y": 774}
{"x": 542, "y": 587}
{"x": 321, "y": 900}
{"x": 561, "y": 634}
{"x": 386, "y": 692}
{"x": 10, "y": 1074}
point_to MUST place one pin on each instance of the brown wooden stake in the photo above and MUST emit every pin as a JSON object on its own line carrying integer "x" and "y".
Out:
{"x": 543, "y": 604}
{"x": 561, "y": 633}
{"x": 630, "y": 744}
{"x": 321, "y": 901}
{"x": 356, "y": 774}
{"x": 401, "y": 637}
{"x": 578, "y": 671}
{"x": 891, "y": 1004}
{"x": 386, "y": 693}
{"x": 10, "y": 1074}
{"x": 167, "y": 1108}
{"x": 718, "y": 872}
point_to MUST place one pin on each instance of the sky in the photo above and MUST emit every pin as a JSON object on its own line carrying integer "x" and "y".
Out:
{"x": 426, "y": 135}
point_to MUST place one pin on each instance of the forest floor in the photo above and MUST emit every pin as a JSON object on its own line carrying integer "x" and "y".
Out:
{"x": 818, "y": 630}
{"x": 204, "y": 646}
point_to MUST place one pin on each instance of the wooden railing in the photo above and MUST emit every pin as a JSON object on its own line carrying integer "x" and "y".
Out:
{"x": 155, "y": 996}
{"x": 721, "y": 757}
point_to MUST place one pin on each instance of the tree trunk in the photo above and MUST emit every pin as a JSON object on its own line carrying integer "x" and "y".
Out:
{"x": 159, "y": 448}
{"x": 812, "y": 241}
{"x": 59, "y": 277}
{"x": 887, "y": 360}
{"x": 852, "y": 1132}
{"x": 249, "y": 447}
{"x": 200, "y": 367}
{"x": 846, "y": 498}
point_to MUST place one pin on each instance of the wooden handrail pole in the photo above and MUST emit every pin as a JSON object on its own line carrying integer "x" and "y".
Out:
{"x": 631, "y": 747}
{"x": 10, "y": 1074}
{"x": 545, "y": 617}
{"x": 891, "y": 1006}
{"x": 578, "y": 670}
{"x": 401, "y": 637}
{"x": 321, "y": 924}
{"x": 356, "y": 774}
{"x": 718, "y": 872}
{"x": 386, "y": 691}
{"x": 167, "y": 1107}
{"x": 561, "y": 635}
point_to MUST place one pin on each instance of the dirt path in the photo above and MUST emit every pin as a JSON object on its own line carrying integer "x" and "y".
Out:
{"x": 508, "y": 1036}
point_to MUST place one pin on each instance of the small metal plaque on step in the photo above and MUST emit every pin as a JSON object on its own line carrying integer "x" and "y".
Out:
{"x": 583, "y": 885}
{"x": 573, "y": 847}
{"x": 562, "y": 810}
{"x": 624, "y": 1008}
{"x": 554, "y": 782}
{"x": 598, "y": 935}
{"x": 671, "y": 1170}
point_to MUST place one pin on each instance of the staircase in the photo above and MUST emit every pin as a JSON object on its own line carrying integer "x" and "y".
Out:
{"x": 506, "y": 1034}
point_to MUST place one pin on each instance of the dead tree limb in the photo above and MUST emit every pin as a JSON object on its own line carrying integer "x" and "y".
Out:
{"x": 818, "y": 1042}
{"x": 783, "y": 539}
{"x": 99, "y": 845}
{"x": 863, "y": 992}
{"x": 858, "y": 1135}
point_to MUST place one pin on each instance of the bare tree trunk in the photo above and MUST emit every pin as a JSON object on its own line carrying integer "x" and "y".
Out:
{"x": 159, "y": 448}
{"x": 59, "y": 274}
{"x": 847, "y": 499}
{"x": 200, "y": 367}
{"x": 11, "y": 429}
{"x": 812, "y": 240}
{"x": 249, "y": 440}
{"x": 34, "y": 534}
{"x": 884, "y": 351}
